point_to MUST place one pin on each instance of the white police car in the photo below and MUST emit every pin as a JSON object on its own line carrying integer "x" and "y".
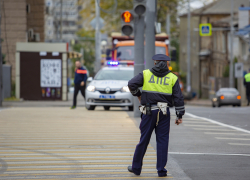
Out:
{"x": 109, "y": 88}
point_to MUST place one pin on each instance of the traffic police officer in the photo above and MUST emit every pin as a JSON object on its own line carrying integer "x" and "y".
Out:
{"x": 159, "y": 87}
{"x": 247, "y": 84}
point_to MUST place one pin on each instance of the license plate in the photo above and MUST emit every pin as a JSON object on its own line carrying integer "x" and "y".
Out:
{"x": 107, "y": 97}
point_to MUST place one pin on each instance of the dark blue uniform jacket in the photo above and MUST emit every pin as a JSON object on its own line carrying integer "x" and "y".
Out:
{"x": 80, "y": 75}
{"x": 153, "y": 98}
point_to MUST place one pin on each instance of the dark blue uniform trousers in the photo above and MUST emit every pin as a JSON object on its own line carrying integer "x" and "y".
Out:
{"x": 148, "y": 124}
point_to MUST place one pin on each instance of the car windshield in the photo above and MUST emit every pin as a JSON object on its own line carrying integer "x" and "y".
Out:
{"x": 115, "y": 75}
{"x": 127, "y": 52}
{"x": 228, "y": 91}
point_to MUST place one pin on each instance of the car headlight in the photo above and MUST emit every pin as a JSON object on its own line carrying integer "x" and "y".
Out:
{"x": 214, "y": 99}
{"x": 125, "y": 89}
{"x": 91, "y": 88}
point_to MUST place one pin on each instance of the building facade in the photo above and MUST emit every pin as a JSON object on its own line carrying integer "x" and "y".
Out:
{"x": 13, "y": 29}
{"x": 210, "y": 56}
{"x": 53, "y": 29}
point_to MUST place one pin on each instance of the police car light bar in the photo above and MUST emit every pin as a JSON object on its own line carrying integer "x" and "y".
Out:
{"x": 113, "y": 63}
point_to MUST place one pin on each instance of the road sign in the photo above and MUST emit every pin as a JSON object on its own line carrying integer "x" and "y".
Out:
{"x": 238, "y": 70}
{"x": 93, "y": 23}
{"x": 205, "y": 29}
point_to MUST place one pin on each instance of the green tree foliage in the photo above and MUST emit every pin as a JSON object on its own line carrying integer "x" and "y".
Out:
{"x": 113, "y": 21}
{"x": 88, "y": 46}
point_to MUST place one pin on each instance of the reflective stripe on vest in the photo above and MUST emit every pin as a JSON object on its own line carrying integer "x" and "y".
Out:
{"x": 247, "y": 77}
{"x": 154, "y": 84}
{"x": 80, "y": 71}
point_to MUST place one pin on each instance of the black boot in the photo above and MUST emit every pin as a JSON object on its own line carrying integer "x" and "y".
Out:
{"x": 130, "y": 169}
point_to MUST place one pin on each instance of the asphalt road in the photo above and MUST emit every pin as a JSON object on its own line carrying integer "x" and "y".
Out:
{"x": 59, "y": 143}
{"x": 205, "y": 150}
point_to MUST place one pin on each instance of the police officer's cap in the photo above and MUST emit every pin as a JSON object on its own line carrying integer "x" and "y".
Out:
{"x": 161, "y": 57}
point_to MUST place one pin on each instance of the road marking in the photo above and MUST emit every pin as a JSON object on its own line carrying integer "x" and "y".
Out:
{"x": 82, "y": 167}
{"x": 194, "y": 125}
{"x": 192, "y": 122}
{"x": 239, "y": 144}
{"x": 219, "y": 123}
{"x": 79, "y": 173}
{"x": 241, "y": 139}
{"x": 205, "y": 129}
{"x": 216, "y": 154}
{"x": 129, "y": 177}
{"x": 226, "y": 133}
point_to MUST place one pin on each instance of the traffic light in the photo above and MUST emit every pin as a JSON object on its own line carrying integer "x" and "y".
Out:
{"x": 139, "y": 7}
{"x": 127, "y": 23}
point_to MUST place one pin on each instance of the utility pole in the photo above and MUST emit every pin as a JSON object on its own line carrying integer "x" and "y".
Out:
{"x": 1, "y": 60}
{"x": 61, "y": 14}
{"x": 97, "y": 38}
{"x": 150, "y": 34}
{"x": 168, "y": 32}
{"x": 188, "y": 49}
{"x": 231, "y": 75}
{"x": 139, "y": 55}
{"x": 82, "y": 58}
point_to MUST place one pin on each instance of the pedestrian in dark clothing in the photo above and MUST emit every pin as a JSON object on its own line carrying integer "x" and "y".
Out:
{"x": 80, "y": 81}
{"x": 247, "y": 85}
{"x": 159, "y": 87}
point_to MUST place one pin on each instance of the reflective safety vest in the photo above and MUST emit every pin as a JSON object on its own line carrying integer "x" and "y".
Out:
{"x": 247, "y": 77}
{"x": 160, "y": 85}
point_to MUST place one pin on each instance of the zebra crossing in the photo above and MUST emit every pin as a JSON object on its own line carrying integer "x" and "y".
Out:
{"x": 58, "y": 143}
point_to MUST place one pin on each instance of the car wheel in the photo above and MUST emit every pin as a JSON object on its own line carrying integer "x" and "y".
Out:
{"x": 90, "y": 108}
{"x": 234, "y": 105}
{"x": 131, "y": 108}
{"x": 106, "y": 108}
{"x": 239, "y": 105}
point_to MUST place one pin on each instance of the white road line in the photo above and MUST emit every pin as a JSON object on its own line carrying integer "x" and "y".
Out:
{"x": 82, "y": 166}
{"x": 192, "y": 122}
{"x": 237, "y": 134}
{"x": 194, "y": 125}
{"x": 219, "y": 123}
{"x": 241, "y": 139}
{"x": 216, "y": 154}
{"x": 81, "y": 161}
{"x": 76, "y": 171}
{"x": 205, "y": 129}
{"x": 69, "y": 154}
{"x": 239, "y": 144}
{"x": 73, "y": 158}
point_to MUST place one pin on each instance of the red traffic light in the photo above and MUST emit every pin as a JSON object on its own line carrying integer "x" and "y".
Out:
{"x": 127, "y": 17}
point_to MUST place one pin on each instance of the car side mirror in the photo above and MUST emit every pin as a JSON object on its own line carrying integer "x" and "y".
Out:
{"x": 90, "y": 79}
{"x": 119, "y": 54}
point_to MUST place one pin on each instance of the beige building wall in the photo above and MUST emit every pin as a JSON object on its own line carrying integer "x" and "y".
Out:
{"x": 35, "y": 18}
{"x": 13, "y": 28}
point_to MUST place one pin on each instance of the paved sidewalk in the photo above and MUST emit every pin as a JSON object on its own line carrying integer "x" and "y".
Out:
{"x": 80, "y": 102}
{"x": 199, "y": 102}
{"x": 59, "y": 143}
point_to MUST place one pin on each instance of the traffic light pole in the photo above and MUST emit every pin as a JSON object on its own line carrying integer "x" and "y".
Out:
{"x": 1, "y": 62}
{"x": 231, "y": 75}
{"x": 139, "y": 55}
{"x": 188, "y": 50}
{"x": 97, "y": 39}
{"x": 150, "y": 33}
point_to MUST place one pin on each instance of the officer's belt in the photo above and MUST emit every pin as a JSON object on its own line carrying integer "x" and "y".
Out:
{"x": 160, "y": 105}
